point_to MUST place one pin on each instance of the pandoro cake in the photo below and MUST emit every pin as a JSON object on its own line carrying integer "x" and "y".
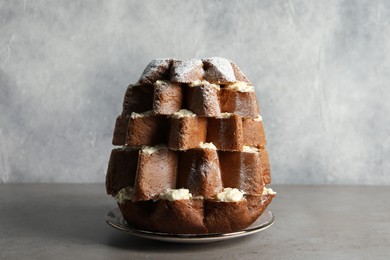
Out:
{"x": 191, "y": 152}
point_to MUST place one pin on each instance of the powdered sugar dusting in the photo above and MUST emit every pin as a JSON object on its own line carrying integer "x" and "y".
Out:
{"x": 186, "y": 71}
{"x": 239, "y": 75}
{"x": 215, "y": 70}
{"x": 155, "y": 70}
{"x": 219, "y": 70}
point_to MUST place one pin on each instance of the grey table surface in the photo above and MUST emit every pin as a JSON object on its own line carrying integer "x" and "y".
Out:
{"x": 66, "y": 221}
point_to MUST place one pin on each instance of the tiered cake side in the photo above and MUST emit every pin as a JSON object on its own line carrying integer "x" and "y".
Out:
{"x": 191, "y": 137}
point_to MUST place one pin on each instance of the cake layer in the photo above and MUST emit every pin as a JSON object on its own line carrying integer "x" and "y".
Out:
{"x": 122, "y": 169}
{"x": 156, "y": 172}
{"x": 243, "y": 103}
{"x": 184, "y": 130}
{"x": 242, "y": 170}
{"x": 226, "y": 132}
{"x": 253, "y": 132}
{"x": 265, "y": 166}
{"x": 194, "y": 216}
{"x": 138, "y": 98}
{"x": 186, "y": 71}
{"x": 216, "y": 70}
{"x": 202, "y": 97}
{"x": 147, "y": 129}
{"x": 167, "y": 97}
{"x": 203, "y": 171}
{"x": 199, "y": 171}
{"x": 120, "y": 130}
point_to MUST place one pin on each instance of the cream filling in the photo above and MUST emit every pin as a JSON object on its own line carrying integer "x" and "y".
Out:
{"x": 225, "y": 115}
{"x": 230, "y": 195}
{"x": 138, "y": 115}
{"x": 258, "y": 119}
{"x": 175, "y": 194}
{"x": 240, "y": 86}
{"x": 161, "y": 82}
{"x": 152, "y": 149}
{"x": 268, "y": 191}
{"x": 198, "y": 83}
{"x": 210, "y": 146}
{"x": 124, "y": 194}
{"x": 183, "y": 113}
{"x": 126, "y": 148}
{"x": 250, "y": 149}
{"x": 227, "y": 195}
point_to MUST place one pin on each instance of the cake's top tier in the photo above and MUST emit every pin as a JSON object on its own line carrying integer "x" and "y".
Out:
{"x": 215, "y": 70}
{"x": 172, "y": 96}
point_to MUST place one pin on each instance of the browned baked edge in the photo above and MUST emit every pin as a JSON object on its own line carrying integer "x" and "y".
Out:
{"x": 194, "y": 216}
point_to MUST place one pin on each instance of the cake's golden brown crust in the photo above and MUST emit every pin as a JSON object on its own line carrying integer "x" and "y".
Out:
{"x": 203, "y": 100}
{"x": 257, "y": 205}
{"x": 200, "y": 172}
{"x": 240, "y": 103}
{"x": 138, "y": 213}
{"x": 138, "y": 99}
{"x": 180, "y": 216}
{"x": 187, "y": 132}
{"x": 155, "y": 173}
{"x": 120, "y": 130}
{"x": 194, "y": 216}
{"x": 225, "y": 133}
{"x": 242, "y": 170}
{"x": 224, "y": 217}
{"x": 265, "y": 166}
{"x": 205, "y": 172}
{"x": 121, "y": 170}
{"x": 167, "y": 98}
{"x": 253, "y": 132}
{"x": 147, "y": 130}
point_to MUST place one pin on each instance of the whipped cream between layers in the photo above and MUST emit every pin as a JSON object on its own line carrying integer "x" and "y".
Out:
{"x": 124, "y": 194}
{"x": 230, "y": 195}
{"x": 250, "y": 149}
{"x": 183, "y": 113}
{"x": 227, "y": 195}
{"x": 161, "y": 82}
{"x": 143, "y": 114}
{"x": 268, "y": 191}
{"x": 175, "y": 194}
{"x": 225, "y": 115}
{"x": 210, "y": 146}
{"x": 198, "y": 83}
{"x": 152, "y": 149}
{"x": 240, "y": 86}
{"x": 258, "y": 119}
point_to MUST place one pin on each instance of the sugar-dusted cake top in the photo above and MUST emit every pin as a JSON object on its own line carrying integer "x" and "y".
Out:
{"x": 215, "y": 70}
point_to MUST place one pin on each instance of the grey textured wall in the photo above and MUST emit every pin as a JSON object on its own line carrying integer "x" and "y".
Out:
{"x": 321, "y": 69}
